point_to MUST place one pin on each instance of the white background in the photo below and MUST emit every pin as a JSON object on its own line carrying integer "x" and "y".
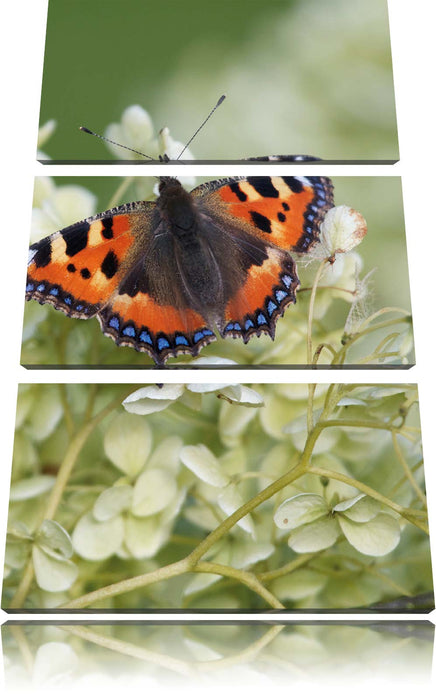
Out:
{"x": 413, "y": 38}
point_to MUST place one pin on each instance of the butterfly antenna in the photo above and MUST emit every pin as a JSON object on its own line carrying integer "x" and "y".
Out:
{"x": 220, "y": 101}
{"x": 104, "y": 138}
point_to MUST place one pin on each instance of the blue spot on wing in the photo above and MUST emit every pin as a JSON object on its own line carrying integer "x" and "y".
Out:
{"x": 162, "y": 343}
{"x": 261, "y": 320}
{"x": 181, "y": 340}
{"x": 54, "y": 291}
{"x": 30, "y": 287}
{"x": 113, "y": 323}
{"x": 129, "y": 331}
{"x": 145, "y": 337}
{"x": 248, "y": 324}
{"x": 280, "y": 295}
{"x": 271, "y": 307}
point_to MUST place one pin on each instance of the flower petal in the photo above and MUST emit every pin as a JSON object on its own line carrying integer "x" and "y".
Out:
{"x": 315, "y": 536}
{"x": 30, "y": 488}
{"x": 153, "y": 491}
{"x": 299, "y": 510}
{"x": 376, "y": 537}
{"x": 145, "y": 536}
{"x": 53, "y": 574}
{"x": 203, "y": 463}
{"x": 95, "y": 540}
{"x": 112, "y": 502}
{"x": 360, "y": 509}
{"x": 54, "y": 540}
{"x": 342, "y": 230}
{"x": 127, "y": 443}
{"x": 153, "y": 398}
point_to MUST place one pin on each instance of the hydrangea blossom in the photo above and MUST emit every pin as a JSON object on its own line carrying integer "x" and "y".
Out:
{"x": 316, "y": 524}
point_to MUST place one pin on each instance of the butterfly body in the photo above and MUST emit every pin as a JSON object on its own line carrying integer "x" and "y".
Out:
{"x": 163, "y": 276}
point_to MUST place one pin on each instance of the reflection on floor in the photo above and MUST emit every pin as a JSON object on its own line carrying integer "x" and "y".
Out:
{"x": 73, "y": 655}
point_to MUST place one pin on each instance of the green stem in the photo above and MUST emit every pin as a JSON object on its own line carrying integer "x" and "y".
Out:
{"x": 299, "y": 470}
{"x": 189, "y": 563}
{"x": 244, "y": 656}
{"x": 311, "y": 310}
{"x": 128, "y": 649}
{"x": 179, "y": 567}
{"x": 407, "y": 470}
{"x": 246, "y": 577}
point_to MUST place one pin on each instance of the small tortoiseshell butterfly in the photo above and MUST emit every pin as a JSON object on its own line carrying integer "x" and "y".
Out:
{"x": 161, "y": 276}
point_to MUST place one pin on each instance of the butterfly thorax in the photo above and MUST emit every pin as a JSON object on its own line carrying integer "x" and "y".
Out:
{"x": 189, "y": 249}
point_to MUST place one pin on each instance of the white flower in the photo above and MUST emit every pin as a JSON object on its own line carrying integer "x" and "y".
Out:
{"x": 342, "y": 230}
{"x": 44, "y": 133}
{"x": 316, "y": 524}
{"x": 56, "y": 207}
{"x": 136, "y": 131}
{"x": 134, "y": 517}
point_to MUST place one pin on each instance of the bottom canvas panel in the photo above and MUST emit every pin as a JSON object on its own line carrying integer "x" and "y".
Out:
{"x": 151, "y": 656}
{"x": 218, "y": 497}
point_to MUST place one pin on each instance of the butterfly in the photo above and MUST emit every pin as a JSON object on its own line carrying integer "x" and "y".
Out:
{"x": 162, "y": 277}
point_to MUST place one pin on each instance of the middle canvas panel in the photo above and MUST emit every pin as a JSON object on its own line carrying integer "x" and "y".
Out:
{"x": 281, "y": 271}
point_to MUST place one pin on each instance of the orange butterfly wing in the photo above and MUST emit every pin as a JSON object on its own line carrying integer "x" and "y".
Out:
{"x": 282, "y": 214}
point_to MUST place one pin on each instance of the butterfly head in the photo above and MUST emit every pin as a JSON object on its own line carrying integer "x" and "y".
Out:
{"x": 175, "y": 205}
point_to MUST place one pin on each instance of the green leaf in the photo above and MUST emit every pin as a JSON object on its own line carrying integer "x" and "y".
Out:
{"x": 127, "y": 443}
{"x": 31, "y": 488}
{"x": 153, "y": 491}
{"x": 54, "y": 540}
{"x": 300, "y": 510}
{"x": 97, "y": 541}
{"x": 53, "y": 574}
{"x": 315, "y": 536}
{"x": 376, "y": 537}
{"x": 112, "y": 502}
{"x": 203, "y": 463}
{"x": 153, "y": 398}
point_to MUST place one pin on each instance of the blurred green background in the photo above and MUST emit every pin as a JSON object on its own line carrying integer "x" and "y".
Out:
{"x": 301, "y": 76}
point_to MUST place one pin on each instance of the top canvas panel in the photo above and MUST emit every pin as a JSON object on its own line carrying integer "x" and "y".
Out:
{"x": 300, "y": 77}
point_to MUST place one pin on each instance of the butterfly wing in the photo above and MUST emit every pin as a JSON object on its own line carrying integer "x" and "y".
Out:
{"x": 268, "y": 217}
{"x": 105, "y": 266}
{"x": 78, "y": 268}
